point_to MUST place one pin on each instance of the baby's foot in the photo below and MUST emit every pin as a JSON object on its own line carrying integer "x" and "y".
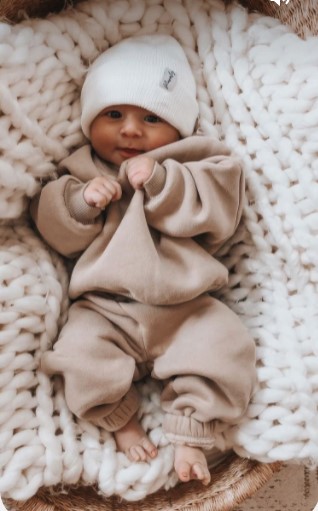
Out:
{"x": 190, "y": 463}
{"x": 133, "y": 441}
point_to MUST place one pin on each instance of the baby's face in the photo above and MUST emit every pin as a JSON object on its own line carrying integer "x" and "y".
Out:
{"x": 123, "y": 131}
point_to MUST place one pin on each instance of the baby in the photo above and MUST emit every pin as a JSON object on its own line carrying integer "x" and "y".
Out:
{"x": 142, "y": 209}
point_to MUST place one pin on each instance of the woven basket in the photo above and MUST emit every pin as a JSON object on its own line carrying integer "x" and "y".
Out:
{"x": 235, "y": 478}
{"x": 232, "y": 482}
{"x": 15, "y": 10}
{"x": 300, "y": 15}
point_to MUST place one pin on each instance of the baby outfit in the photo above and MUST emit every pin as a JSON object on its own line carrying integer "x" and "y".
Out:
{"x": 141, "y": 285}
{"x": 144, "y": 272}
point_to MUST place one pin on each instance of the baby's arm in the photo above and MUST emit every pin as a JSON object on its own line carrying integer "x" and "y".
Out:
{"x": 190, "y": 199}
{"x": 196, "y": 198}
{"x": 52, "y": 212}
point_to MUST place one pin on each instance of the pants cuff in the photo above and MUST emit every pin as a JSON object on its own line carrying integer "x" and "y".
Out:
{"x": 188, "y": 431}
{"x": 122, "y": 414}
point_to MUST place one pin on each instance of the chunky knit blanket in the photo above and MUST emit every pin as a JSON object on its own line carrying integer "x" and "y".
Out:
{"x": 258, "y": 91}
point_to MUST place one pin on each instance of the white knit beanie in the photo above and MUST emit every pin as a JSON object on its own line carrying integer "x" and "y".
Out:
{"x": 151, "y": 72}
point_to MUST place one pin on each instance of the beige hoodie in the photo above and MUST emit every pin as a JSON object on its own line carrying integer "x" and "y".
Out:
{"x": 154, "y": 245}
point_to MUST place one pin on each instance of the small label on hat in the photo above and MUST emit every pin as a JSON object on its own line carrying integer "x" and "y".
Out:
{"x": 169, "y": 79}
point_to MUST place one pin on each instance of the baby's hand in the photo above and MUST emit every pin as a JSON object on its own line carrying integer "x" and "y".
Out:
{"x": 139, "y": 170}
{"x": 100, "y": 191}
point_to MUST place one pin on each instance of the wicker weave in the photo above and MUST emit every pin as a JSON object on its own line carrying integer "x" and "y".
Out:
{"x": 300, "y": 15}
{"x": 235, "y": 479}
{"x": 15, "y": 10}
{"x": 232, "y": 481}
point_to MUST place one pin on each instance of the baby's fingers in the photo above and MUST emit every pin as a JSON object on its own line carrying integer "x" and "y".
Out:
{"x": 117, "y": 191}
{"x": 107, "y": 194}
{"x": 135, "y": 179}
{"x": 99, "y": 199}
{"x": 110, "y": 191}
{"x": 101, "y": 191}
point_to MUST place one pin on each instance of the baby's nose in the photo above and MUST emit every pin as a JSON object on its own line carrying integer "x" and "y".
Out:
{"x": 131, "y": 127}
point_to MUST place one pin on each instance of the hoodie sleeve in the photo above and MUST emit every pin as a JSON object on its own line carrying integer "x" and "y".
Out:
{"x": 62, "y": 217}
{"x": 202, "y": 198}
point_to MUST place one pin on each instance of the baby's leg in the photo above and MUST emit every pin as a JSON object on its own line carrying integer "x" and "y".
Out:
{"x": 97, "y": 364}
{"x": 190, "y": 463}
{"x": 202, "y": 370}
{"x": 133, "y": 441}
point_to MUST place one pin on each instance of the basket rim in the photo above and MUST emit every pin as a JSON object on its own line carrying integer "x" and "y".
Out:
{"x": 222, "y": 494}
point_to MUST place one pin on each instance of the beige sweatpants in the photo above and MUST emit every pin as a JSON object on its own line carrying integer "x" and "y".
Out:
{"x": 200, "y": 351}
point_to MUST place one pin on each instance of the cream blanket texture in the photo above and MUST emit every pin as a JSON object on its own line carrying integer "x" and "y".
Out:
{"x": 258, "y": 91}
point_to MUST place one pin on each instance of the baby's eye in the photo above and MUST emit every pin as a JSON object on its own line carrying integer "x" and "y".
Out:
{"x": 113, "y": 114}
{"x": 152, "y": 118}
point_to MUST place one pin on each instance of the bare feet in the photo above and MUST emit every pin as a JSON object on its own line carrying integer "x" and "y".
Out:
{"x": 133, "y": 441}
{"x": 190, "y": 463}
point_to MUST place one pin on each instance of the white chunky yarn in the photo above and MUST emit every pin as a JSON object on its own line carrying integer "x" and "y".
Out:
{"x": 257, "y": 90}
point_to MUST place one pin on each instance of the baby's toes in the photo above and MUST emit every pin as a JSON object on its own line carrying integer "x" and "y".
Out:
{"x": 183, "y": 469}
{"x": 137, "y": 453}
{"x": 202, "y": 473}
{"x": 149, "y": 447}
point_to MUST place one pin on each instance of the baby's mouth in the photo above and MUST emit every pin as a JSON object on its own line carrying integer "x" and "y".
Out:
{"x": 130, "y": 152}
